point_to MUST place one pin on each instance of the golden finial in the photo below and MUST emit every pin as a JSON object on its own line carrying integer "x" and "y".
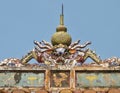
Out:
{"x": 62, "y": 17}
{"x": 61, "y": 36}
{"x": 61, "y": 27}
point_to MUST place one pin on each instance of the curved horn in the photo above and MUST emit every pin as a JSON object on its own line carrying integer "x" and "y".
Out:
{"x": 81, "y": 46}
{"x": 37, "y": 43}
{"x": 37, "y": 49}
{"x": 41, "y": 46}
{"x": 74, "y": 44}
{"x": 84, "y": 45}
{"x": 47, "y": 43}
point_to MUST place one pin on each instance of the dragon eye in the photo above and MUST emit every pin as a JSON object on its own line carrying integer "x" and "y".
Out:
{"x": 72, "y": 51}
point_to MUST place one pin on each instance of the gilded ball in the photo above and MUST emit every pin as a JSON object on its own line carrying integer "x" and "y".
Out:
{"x": 61, "y": 37}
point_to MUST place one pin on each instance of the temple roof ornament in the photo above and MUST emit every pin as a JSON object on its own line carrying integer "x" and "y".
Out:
{"x": 61, "y": 36}
{"x": 61, "y": 52}
{"x": 61, "y": 68}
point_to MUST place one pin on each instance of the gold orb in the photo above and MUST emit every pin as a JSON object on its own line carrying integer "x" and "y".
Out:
{"x": 61, "y": 37}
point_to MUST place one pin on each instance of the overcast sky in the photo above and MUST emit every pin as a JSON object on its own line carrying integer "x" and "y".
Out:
{"x": 23, "y": 21}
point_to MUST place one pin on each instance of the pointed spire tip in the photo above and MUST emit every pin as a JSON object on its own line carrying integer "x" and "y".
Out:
{"x": 62, "y": 17}
{"x": 62, "y": 9}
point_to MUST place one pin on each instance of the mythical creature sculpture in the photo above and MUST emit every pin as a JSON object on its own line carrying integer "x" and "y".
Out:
{"x": 45, "y": 52}
{"x": 60, "y": 51}
{"x": 12, "y": 62}
{"x": 58, "y": 80}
